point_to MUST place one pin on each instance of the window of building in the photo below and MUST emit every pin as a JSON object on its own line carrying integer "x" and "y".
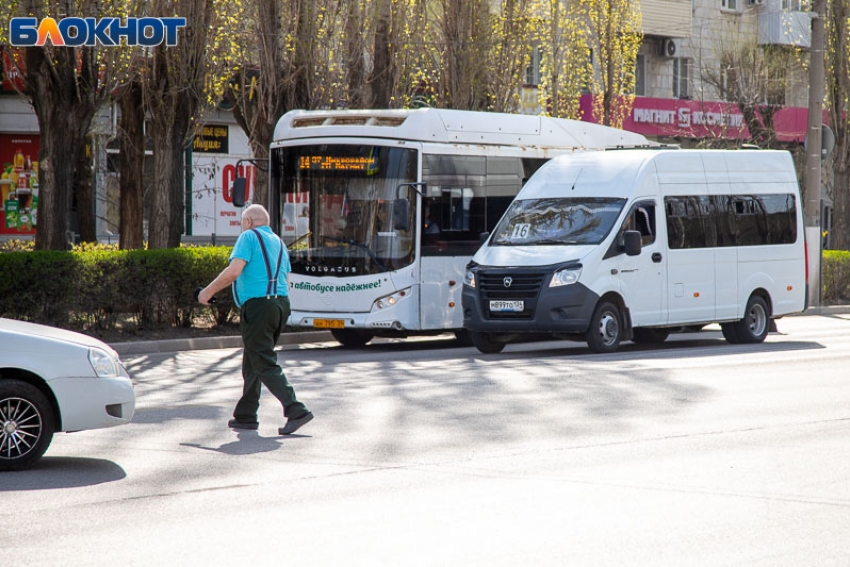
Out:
{"x": 796, "y": 5}
{"x": 681, "y": 70}
{"x": 640, "y": 75}
{"x": 731, "y": 5}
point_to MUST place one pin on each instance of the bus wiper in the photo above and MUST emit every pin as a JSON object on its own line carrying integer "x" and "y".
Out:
{"x": 352, "y": 242}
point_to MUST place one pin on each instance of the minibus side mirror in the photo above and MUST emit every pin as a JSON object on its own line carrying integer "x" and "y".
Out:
{"x": 401, "y": 214}
{"x": 631, "y": 242}
{"x": 239, "y": 186}
{"x": 483, "y": 237}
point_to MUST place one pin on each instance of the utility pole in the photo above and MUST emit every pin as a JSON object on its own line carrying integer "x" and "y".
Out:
{"x": 812, "y": 207}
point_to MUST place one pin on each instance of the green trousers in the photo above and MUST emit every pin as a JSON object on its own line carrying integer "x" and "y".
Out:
{"x": 261, "y": 324}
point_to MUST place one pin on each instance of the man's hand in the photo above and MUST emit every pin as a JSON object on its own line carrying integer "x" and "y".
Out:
{"x": 205, "y": 296}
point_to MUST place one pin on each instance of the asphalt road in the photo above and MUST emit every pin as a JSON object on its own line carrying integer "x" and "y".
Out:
{"x": 424, "y": 453}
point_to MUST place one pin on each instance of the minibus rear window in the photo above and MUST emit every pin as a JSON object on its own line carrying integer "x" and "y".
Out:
{"x": 540, "y": 222}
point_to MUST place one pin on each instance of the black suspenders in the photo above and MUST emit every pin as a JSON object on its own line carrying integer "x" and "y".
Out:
{"x": 271, "y": 287}
{"x": 272, "y": 281}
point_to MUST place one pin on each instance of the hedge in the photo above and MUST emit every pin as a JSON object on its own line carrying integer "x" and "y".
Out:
{"x": 98, "y": 288}
{"x": 835, "y": 270}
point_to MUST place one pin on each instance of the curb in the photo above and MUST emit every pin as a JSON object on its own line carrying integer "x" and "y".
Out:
{"x": 206, "y": 343}
{"x": 824, "y": 311}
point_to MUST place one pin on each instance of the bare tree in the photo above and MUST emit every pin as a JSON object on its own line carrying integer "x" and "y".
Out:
{"x": 66, "y": 86}
{"x": 179, "y": 86}
{"x": 131, "y": 134}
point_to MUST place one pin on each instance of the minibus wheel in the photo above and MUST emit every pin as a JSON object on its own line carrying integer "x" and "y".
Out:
{"x": 350, "y": 338}
{"x": 486, "y": 344}
{"x": 642, "y": 335}
{"x": 753, "y": 328}
{"x": 606, "y": 328}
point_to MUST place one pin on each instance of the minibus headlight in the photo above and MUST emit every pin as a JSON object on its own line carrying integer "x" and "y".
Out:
{"x": 469, "y": 278}
{"x": 565, "y": 277}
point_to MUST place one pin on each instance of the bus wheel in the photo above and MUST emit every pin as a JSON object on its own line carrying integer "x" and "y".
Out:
{"x": 753, "y": 328}
{"x": 486, "y": 344}
{"x": 350, "y": 338}
{"x": 642, "y": 335}
{"x": 606, "y": 328}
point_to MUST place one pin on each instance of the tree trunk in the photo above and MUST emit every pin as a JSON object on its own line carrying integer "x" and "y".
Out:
{"x": 382, "y": 73}
{"x": 166, "y": 216}
{"x": 84, "y": 189}
{"x": 841, "y": 202}
{"x": 131, "y": 168}
{"x": 358, "y": 91}
{"x": 63, "y": 120}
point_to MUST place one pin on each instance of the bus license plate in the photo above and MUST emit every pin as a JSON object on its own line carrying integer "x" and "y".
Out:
{"x": 329, "y": 323}
{"x": 513, "y": 306}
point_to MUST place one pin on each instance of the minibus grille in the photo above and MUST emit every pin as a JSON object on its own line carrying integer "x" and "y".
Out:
{"x": 523, "y": 285}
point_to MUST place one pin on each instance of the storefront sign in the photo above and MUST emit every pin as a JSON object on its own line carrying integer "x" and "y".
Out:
{"x": 213, "y": 139}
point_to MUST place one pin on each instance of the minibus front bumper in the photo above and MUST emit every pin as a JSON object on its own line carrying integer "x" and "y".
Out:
{"x": 561, "y": 309}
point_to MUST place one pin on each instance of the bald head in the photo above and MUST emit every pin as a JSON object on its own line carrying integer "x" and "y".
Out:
{"x": 258, "y": 215}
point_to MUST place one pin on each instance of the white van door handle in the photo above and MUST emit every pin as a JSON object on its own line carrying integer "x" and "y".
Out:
{"x": 657, "y": 257}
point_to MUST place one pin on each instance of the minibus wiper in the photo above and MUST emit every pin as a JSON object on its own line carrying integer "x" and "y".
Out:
{"x": 352, "y": 242}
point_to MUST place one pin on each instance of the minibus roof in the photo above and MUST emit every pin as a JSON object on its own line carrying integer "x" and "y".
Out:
{"x": 454, "y": 126}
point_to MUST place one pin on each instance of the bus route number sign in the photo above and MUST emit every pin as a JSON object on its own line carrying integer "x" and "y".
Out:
{"x": 338, "y": 163}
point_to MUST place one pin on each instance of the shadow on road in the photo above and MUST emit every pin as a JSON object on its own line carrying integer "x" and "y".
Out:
{"x": 247, "y": 443}
{"x": 62, "y": 472}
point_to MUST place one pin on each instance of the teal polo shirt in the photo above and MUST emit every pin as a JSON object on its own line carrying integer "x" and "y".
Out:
{"x": 253, "y": 281}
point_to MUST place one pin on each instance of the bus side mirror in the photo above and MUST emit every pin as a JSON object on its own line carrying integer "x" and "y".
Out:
{"x": 401, "y": 214}
{"x": 631, "y": 242}
{"x": 239, "y": 186}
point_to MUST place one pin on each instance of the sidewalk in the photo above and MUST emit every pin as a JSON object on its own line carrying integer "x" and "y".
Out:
{"x": 175, "y": 345}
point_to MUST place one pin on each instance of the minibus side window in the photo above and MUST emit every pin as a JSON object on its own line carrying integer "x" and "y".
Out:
{"x": 642, "y": 219}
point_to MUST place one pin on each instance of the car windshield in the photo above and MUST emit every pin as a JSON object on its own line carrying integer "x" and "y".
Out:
{"x": 537, "y": 222}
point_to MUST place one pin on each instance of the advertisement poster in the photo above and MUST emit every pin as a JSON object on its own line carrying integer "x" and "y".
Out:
{"x": 18, "y": 184}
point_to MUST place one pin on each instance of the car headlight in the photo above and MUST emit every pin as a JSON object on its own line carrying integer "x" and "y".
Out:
{"x": 103, "y": 363}
{"x": 565, "y": 277}
{"x": 469, "y": 278}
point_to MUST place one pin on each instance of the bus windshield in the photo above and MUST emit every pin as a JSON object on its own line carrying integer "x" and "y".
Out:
{"x": 537, "y": 222}
{"x": 338, "y": 208}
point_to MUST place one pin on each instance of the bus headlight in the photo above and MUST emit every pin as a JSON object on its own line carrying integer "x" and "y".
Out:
{"x": 469, "y": 278}
{"x": 390, "y": 300}
{"x": 565, "y": 277}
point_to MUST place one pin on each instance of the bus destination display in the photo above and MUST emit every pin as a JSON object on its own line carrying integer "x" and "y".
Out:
{"x": 338, "y": 163}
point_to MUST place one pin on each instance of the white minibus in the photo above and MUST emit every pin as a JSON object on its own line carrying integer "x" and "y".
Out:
{"x": 628, "y": 244}
{"x": 382, "y": 209}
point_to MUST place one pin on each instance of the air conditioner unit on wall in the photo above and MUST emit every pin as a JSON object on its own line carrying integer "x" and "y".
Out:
{"x": 668, "y": 48}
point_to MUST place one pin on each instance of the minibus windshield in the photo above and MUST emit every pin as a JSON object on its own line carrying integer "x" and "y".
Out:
{"x": 537, "y": 222}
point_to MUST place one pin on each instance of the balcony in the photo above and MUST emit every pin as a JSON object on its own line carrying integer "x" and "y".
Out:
{"x": 666, "y": 18}
{"x": 779, "y": 26}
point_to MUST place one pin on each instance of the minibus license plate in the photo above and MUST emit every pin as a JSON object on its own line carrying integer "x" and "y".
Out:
{"x": 514, "y": 306}
{"x": 329, "y": 323}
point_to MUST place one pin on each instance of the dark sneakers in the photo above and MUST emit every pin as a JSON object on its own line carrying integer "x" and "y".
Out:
{"x": 242, "y": 424}
{"x": 294, "y": 424}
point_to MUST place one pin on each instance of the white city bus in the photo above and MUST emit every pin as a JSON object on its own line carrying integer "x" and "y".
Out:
{"x": 382, "y": 209}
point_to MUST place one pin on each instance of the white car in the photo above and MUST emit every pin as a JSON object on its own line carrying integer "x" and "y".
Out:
{"x": 55, "y": 380}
